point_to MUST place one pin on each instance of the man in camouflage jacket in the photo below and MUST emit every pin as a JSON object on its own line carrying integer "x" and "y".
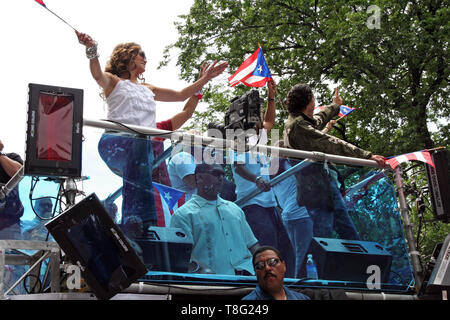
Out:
{"x": 303, "y": 128}
{"x": 316, "y": 188}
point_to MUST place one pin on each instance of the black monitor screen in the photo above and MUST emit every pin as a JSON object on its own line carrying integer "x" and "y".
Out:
{"x": 54, "y": 131}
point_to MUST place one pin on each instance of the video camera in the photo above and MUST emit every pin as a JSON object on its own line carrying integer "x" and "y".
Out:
{"x": 243, "y": 113}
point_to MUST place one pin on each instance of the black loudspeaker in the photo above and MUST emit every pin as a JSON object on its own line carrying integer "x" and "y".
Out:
{"x": 439, "y": 184}
{"x": 348, "y": 260}
{"x": 166, "y": 249}
{"x": 91, "y": 240}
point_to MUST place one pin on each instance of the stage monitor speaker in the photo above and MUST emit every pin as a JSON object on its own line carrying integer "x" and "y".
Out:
{"x": 440, "y": 277}
{"x": 347, "y": 260}
{"x": 54, "y": 131}
{"x": 166, "y": 249}
{"x": 439, "y": 184}
{"x": 91, "y": 240}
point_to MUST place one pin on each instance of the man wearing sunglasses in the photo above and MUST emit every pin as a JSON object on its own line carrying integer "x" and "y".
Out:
{"x": 270, "y": 269}
{"x": 223, "y": 240}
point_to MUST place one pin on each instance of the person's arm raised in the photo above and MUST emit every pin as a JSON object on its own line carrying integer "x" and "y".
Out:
{"x": 170, "y": 95}
{"x": 104, "y": 79}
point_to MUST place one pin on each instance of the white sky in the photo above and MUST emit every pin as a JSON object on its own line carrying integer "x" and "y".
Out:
{"x": 39, "y": 48}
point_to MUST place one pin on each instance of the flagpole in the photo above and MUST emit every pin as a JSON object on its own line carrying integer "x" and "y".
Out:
{"x": 45, "y": 6}
{"x": 435, "y": 149}
{"x": 60, "y": 18}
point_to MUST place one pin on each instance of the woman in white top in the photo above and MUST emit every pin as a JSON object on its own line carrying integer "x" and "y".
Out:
{"x": 132, "y": 101}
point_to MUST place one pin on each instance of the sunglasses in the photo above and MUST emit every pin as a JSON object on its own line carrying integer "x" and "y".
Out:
{"x": 142, "y": 54}
{"x": 272, "y": 262}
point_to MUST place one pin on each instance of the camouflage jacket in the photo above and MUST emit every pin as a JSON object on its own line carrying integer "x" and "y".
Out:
{"x": 304, "y": 133}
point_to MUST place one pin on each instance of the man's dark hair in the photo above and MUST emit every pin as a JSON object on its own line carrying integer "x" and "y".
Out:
{"x": 298, "y": 98}
{"x": 265, "y": 248}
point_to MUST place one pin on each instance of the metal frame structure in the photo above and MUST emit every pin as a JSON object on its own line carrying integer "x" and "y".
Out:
{"x": 178, "y": 136}
{"x": 51, "y": 250}
{"x": 44, "y": 249}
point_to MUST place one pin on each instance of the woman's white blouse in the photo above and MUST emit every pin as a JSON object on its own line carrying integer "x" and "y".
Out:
{"x": 131, "y": 103}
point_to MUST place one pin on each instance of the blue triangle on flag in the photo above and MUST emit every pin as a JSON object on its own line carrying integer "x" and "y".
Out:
{"x": 169, "y": 194}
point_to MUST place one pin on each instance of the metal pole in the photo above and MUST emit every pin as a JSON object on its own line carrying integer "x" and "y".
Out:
{"x": 274, "y": 181}
{"x": 413, "y": 253}
{"x": 12, "y": 183}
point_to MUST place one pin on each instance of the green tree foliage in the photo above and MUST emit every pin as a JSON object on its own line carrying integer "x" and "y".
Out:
{"x": 394, "y": 69}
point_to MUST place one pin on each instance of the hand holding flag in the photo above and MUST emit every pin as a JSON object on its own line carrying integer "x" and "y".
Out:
{"x": 253, "y": 72}
{"x": 344, "y": 110}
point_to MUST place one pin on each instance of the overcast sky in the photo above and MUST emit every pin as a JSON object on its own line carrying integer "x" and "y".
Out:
{"x": 38, "y": 48}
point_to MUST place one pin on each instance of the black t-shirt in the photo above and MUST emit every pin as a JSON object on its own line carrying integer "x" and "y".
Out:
{"x": 4, "y": 177}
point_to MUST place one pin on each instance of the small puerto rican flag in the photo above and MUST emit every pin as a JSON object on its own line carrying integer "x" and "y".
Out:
{"x": 344, "y": 110}
{"x": 423, "y": 156}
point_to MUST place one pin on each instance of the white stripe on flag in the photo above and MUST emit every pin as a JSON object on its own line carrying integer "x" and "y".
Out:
{"x": 420, "y": 156}
{"x": 254, "y": 79}
{"x": 402, "y": 158}
{"x": 244, "y": 72}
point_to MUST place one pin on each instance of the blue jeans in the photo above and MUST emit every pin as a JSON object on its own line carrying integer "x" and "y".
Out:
{"x": 336, "y": 218}
{"x": 268, "y": 228}
{"x": 132, "y": 159}
{"x": 300, "y": 232}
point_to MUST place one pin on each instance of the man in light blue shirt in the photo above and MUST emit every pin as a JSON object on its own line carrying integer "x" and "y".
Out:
{"x": 223, "y": 240}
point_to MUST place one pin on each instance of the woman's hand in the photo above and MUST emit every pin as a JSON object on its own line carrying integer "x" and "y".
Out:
{"x": 213, "y": 70}
{"x": 85, "y": 39}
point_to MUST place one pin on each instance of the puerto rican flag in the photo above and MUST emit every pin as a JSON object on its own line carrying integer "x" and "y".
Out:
{"x": 423, "y": 156}
{"x": 253, "y": 72}
{"x": 344, "y": 110}
{"x": 167, "y": 200}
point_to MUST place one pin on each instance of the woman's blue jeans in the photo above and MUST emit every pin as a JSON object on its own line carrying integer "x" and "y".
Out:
{"x": 132, "y": 159}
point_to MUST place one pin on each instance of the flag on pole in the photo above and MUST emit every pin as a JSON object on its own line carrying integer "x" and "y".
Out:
{"x": 41, "y": 3}
{"x": 167, "y": 200}
{"x": 423, "y": 156}
{"x": 344, "y": 110}
{"x": 253, "y": 72}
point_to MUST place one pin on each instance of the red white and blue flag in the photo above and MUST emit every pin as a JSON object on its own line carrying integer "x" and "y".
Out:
{"x": 423, "y": 156}
{"x": 344, "y": 110}
{"x": 253, "y": 72}
{"x": 167, "y": 200}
